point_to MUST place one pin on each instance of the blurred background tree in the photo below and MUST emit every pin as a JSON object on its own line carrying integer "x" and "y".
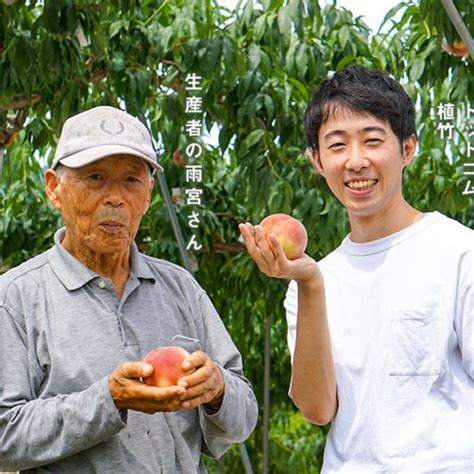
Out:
{"x": 259, "y": 64}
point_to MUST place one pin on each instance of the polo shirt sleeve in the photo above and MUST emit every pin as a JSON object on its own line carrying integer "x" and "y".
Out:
{"x": 34, "y": 430}
{"x": 464, "y": 317}
{"x": 237, "y": 416}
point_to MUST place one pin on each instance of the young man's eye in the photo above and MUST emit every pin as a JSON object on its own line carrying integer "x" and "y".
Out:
{"x": 373, "y": 141}
{"x": 335, "y": 146}
{"x": 132, "y": 179}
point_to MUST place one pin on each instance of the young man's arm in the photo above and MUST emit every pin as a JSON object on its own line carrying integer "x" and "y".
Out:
{"x": 313, "y": 385}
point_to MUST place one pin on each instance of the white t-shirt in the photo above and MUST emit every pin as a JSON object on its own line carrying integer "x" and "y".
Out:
{"x": 400, "y": 313}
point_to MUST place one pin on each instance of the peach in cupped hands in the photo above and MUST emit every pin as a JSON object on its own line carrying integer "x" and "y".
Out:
{"x": 289, "y": 232}
{"x": 166, "y": 362}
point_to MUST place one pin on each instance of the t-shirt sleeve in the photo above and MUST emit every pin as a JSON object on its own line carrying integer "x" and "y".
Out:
{"x": 464, "y": 317}
{"x": 290, "y": 304}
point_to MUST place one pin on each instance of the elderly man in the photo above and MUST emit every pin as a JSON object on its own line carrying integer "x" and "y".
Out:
{"x": 77, "y": 320}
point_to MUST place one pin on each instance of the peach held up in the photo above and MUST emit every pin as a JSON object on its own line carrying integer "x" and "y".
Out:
{"x": 289, "y": 232}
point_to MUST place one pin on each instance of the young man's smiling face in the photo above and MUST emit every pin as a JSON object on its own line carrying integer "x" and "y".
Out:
{"x": 362, "y": 161}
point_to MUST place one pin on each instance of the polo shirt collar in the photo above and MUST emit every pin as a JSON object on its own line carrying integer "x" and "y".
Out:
{"x": 139, "y": 266}
{"x": 74, "y": 274}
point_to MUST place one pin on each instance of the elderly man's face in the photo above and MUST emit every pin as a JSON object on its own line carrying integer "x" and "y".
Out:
{"x": 102, "y": 203}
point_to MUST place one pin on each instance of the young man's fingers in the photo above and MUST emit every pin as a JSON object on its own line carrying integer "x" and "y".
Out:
{"x": 249, "y": 240}
{"x": 260, "y": 239}
{"x": 247, "y": 231}
{"x": 253, "y": 248}
{"x": 266, "y": 253}
{"x": 259, "y": 249}
{"x": 277, "y": 250}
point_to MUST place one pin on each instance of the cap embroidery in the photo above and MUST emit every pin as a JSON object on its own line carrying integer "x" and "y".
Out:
{"x": 111, "y": 132}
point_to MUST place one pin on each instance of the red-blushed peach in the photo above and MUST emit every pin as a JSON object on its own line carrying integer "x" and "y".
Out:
{"x": 290, "y": 233}
{"x": 166, "y": 362}
{"x": 458, "y": 48}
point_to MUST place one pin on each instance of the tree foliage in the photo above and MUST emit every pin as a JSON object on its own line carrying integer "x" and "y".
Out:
{"x": 259, "y": 65}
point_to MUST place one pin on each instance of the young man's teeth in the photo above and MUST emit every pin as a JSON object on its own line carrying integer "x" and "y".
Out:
{"x": 361, "y": 184}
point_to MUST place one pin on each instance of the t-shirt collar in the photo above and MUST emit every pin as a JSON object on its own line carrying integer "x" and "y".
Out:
{"x": 379, "y": 245}
{"x": 74, "y": 274}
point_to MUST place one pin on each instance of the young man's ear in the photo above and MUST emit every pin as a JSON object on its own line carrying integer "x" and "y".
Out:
{"x": 313, "y": 156}
{"x": 51, "y": 181}
{"x": 408, "y": 149}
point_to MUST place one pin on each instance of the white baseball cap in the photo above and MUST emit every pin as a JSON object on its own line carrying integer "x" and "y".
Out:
{"x": 100, "y": 132}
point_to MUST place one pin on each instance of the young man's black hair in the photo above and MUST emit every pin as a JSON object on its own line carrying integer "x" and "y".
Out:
{"x": 365, "y": 91}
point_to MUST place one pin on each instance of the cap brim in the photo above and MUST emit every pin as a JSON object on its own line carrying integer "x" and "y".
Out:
{"x": 91, "y": 155}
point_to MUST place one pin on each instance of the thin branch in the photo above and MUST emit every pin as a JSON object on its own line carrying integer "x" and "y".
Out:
{"x": 228, "y": 248}
{"x": 22, "y": 102}
{"x": 9, "y": 134}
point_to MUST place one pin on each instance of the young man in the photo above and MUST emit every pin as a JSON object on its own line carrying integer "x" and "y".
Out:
{"x": 77, "y": 320}
{"x": 381, "y": 329}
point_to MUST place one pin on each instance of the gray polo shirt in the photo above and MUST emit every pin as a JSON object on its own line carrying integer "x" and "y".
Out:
{"x": 63, "y": 331}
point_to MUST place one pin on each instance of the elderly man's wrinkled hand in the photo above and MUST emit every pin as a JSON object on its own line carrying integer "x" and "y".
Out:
{"x": 129, "y": 393}
{"x": 205, "y": 385}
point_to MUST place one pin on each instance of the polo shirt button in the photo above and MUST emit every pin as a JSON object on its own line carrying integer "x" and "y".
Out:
{"x": 101, "y": 284}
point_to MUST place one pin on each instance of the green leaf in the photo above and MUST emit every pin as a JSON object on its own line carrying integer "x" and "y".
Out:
{"x": 269, "y": 106}
{"x": 284, "y": 21}
{"x": 51, "y": 15}
{"x": 392, "y": 12}
{"x": 343, "y": 36}
{"x": 248, "y": 11}
{"x": 345, "y": 61}
{"x": 165, "y": 35}
{"x": 439, "y": 183}
{"x": 118, "y": 62}
{"x": 228, "y": 52}
{"x": 253, "y": 138}
{"x": 115, "y": 28}
{"x": 301, "y": 60}
{"x": 260, "y": 27}
{"x": 71, "y": 18}
{"x": 254, "y": 57}
{"x": 299, "y": 88}
{"x": 224, "y": 138}
{"x": 416, "y": 69}
{"x": 287, "y": 196}
{"x": 276, "y": 199}
{"x": 211, "y": 55}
